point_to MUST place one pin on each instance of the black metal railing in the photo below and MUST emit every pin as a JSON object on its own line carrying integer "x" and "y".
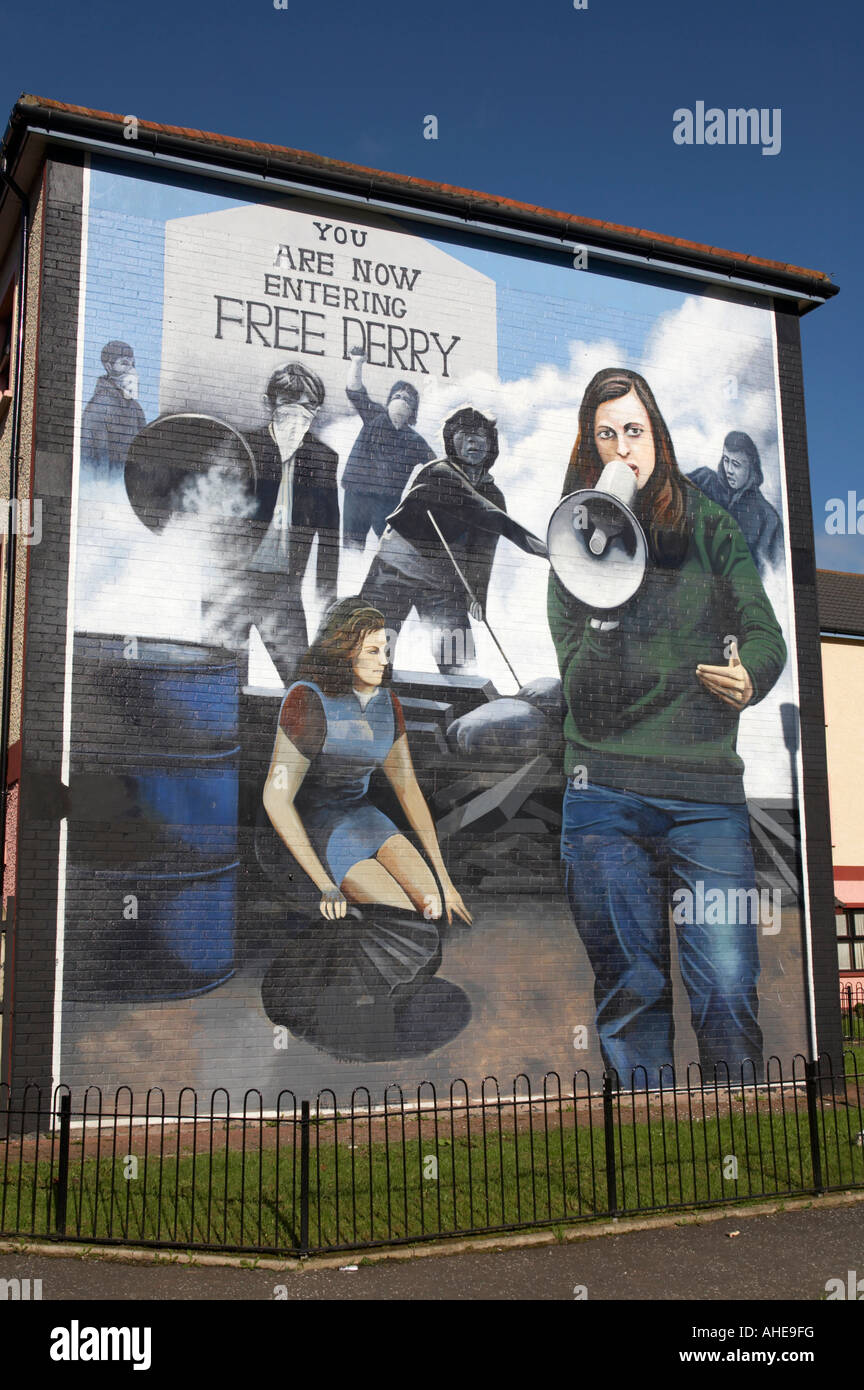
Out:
{"x": 307, "y": 1177}
{"x": 852, "y": 1010}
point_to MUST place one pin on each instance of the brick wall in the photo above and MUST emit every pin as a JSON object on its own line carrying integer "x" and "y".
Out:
{"x": 173, "y": 920}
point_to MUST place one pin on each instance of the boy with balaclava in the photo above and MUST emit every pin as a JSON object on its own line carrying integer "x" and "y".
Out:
{"x": 385, "y": 454}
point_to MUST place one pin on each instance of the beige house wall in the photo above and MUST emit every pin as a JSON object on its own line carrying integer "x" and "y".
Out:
{"x": 843, "y": 678}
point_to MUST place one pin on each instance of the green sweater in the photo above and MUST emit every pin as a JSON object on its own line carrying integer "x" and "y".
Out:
{"x": 636, "y": 716}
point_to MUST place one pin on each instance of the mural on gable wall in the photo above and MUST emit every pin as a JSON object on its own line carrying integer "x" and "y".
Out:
{"x": 435, "y": 600}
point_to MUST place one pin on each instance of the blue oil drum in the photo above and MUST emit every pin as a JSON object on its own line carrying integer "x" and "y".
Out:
{"x": 152, "y": 858}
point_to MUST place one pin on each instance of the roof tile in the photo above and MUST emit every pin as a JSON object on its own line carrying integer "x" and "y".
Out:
{"x": 572, "y": 224}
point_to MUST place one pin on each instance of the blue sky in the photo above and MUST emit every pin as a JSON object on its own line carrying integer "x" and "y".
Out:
{"x": 564, "y": 108}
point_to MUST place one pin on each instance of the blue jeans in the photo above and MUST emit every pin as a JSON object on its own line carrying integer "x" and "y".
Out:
{"x": 624, "y": 858}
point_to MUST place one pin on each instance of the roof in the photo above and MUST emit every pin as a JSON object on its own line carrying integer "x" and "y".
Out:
{"x": 47, "y": 117}
{"x": 841, "y": 602}
{"x": 848, "y": 891}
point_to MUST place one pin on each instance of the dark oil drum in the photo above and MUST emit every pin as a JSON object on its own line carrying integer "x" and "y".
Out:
{"x": 150, "y": 892}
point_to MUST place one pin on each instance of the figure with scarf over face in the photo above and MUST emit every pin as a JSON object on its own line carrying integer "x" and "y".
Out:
{"x": 302, "y": 499}
{"x": 452, "y": 515}
{"x": 385, "y": 454}
{"x": 112, "y": 416}
{"x": 292, "y": 499}
{"x": 736, "y": 486}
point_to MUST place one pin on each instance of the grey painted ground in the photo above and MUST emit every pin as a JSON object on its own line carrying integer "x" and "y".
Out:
{"x": 521, "y": 965}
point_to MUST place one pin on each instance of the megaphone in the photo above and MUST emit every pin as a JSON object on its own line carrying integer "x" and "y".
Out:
{"x": 597, "y": 548}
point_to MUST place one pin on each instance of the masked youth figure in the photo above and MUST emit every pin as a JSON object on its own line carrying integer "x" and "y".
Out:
{"x": 296, "y": 482}
{"x": 294, "y": 497}
{"x": 453, "y": 504}
{"x": 385, "y": 454}
{"x": 651, "y": 715}
{"x": 112, "y": 417}
{"x": 339, "y": 722}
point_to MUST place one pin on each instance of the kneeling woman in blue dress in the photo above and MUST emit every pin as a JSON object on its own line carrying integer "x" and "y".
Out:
{"x": 338, "y": 723}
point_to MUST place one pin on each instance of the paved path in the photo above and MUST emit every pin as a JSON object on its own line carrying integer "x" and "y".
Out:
{"x": 788, "y": 1255}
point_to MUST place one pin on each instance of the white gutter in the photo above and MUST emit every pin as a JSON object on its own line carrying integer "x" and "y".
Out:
{"x": 445, "y": 219}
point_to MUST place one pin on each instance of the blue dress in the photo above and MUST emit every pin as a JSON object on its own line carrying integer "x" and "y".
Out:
{"x": 344, "y": 744}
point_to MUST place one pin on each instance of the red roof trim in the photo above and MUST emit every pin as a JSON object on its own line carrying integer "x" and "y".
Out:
{"x": 483, "y": 202}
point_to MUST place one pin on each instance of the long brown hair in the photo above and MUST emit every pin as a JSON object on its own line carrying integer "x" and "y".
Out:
{"x": 662, "y": 503}
{"x": 329, "y": 660}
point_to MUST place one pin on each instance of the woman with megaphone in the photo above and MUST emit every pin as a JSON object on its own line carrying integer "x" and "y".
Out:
{"x": 655, "y": 811}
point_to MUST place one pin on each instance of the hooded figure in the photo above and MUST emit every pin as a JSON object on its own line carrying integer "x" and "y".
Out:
{"x": 385, "y": 454}
{"x": 736, "y": 486}
{"x": 112, "y": 416}
{"x": 452, "y": 506}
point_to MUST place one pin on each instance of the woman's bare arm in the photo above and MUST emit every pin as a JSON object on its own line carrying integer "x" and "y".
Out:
{"x": 399, "y": 771}
{"x": 288, "y": 767}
